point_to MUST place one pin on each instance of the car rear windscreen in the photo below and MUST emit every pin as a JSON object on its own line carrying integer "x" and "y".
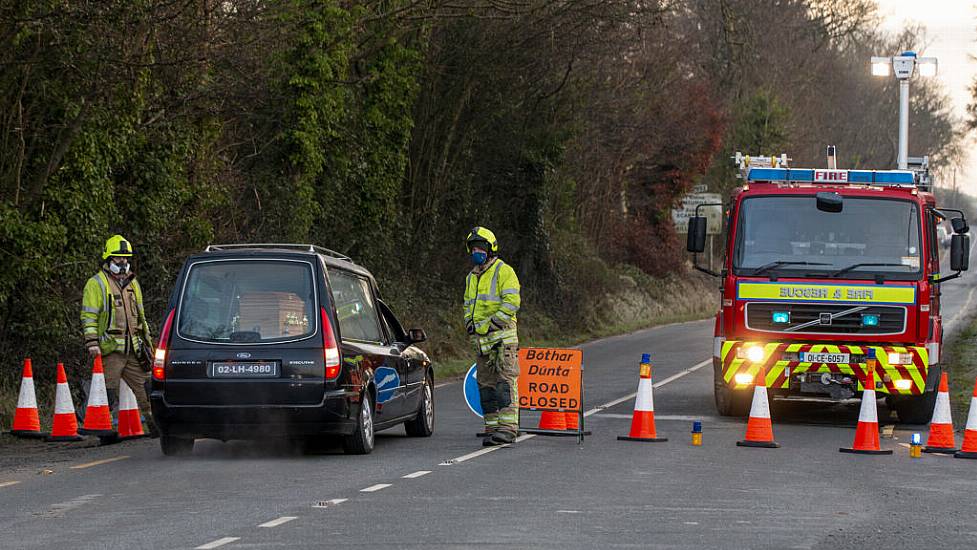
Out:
{"x": 248, "y": 301}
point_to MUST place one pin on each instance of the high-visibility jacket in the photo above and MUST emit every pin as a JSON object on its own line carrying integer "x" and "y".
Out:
{"x": 112, "y": 315}
{"x": 491, "y": 295}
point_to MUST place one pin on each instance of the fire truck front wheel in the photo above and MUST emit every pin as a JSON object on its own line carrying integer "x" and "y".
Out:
{"x": 916, "y": 409}
{"x": 730, "y": 402}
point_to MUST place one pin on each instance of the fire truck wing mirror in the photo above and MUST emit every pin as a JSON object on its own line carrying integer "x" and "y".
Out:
{"x": 959, "y": 225}
{"x": 697, "y": 234}
{"x": 830, "y": 202}
{"x": 960, "y": 252}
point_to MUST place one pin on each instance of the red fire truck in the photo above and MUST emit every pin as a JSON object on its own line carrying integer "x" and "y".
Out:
{"x": 823, "y": 270}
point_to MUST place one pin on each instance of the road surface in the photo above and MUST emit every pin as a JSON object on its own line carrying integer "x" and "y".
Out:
{"x": 446, "y": 492}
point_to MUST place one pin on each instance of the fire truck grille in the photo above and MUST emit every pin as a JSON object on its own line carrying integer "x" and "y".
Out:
{"x": 804, "y": 318}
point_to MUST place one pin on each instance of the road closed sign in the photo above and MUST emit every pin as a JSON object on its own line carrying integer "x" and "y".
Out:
{"x": 551, "y": 379}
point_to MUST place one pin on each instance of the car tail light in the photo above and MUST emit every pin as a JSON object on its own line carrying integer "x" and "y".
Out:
{"x": 330, "y": 350}
{"x": 159, "y": 360}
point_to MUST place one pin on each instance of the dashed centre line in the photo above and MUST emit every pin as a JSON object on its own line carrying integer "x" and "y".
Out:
{"x": 8, "y": 483}
{"x": 277, "y": 522}
{"x": 375, "y": 488}
{"x": 217, "y": 543}
{"x": 99, "y": 462}
{"x": 417, "y": 474}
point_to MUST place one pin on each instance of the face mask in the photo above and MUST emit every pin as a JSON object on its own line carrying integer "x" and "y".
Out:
{"x": 478, "y": 258}
{"x": 118, "y": 268}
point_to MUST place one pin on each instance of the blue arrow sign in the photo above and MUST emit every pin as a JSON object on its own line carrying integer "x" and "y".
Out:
{"x": 472, "y": 396}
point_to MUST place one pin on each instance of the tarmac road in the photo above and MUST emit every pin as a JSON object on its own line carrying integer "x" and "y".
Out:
{"x": 542, "y": 493}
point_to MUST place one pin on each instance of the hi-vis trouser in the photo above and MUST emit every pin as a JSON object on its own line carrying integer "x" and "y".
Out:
{"x": 497, "y": 373}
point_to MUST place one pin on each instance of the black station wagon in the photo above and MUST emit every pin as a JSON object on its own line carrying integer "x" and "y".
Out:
{"x": 280, "y": 340}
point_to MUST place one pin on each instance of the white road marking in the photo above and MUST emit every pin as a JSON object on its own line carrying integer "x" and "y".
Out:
{"x": 375, "y": 488}
{"x": 217, "y": 543}
{"x": 8, "y": 483}
{"x": 279, "y": 521}
{"x": 682, "y": 417}
{"x": 964, "y": 309}
{"x": 656, "y": 385}
{"x": 99, "y": 462}
{"x": 595, "y": 410}
{"x": 569, "y": 512}
{"x": 328, "y": 503}
{"x": 418, "y": 474}
{"x": 58, "y": 510}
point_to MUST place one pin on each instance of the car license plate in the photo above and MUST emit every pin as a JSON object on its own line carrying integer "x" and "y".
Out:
{"x": 808, "y": 357}
{"x": 263, "y": 369}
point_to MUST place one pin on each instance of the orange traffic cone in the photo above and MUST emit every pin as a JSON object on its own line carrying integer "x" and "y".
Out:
{"x": 130, "y": 423}
{"x": 941, "y": 439}
{"x": 759, "y": 428}
{"x": 27, "y": 423}
{"x": 98, "y": 417}
{"x": 552, "y": 420}
{"x": 969, "y": 447}
{"x": 867, "y": 432}
{"x": 572, "y": 420}
{"x": 643, "y": 420}
{"x": 65, "y": 424}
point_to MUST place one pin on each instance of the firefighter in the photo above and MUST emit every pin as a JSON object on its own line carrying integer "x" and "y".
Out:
{"x": 114, "y": 324}
{"x": 491, "y": 304}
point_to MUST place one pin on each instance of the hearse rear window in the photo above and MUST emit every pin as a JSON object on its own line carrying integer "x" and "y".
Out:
{"x": 248, "y": 301}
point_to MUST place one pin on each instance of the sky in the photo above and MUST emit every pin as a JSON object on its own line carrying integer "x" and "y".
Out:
{"x": 951, "y": 36}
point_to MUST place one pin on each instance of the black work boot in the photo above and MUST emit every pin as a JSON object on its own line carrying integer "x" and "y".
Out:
{"x": 503, "y": 437}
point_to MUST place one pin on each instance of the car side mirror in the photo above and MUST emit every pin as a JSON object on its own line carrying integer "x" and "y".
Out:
{"x": 416, "y": 335}
{"x": 960, "y": 252}
{"x": 697, "y": 234}
{"x": 959, "y": 225}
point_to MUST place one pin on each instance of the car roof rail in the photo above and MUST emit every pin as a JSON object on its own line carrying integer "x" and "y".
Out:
{"x": 306, "y": 247}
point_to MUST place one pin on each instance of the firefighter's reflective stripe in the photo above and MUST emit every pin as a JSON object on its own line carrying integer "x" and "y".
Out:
{"x": 780, "y": 370}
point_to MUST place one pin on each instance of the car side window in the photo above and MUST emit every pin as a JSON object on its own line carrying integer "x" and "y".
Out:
{"x": 394, "y": 328}
{"x": 355, "y": 307}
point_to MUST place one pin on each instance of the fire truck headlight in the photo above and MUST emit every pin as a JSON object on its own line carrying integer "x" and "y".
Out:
{"x": 754, "y": 354}
{"x": 904, "y": 385}
{"x": 743, "y": 378}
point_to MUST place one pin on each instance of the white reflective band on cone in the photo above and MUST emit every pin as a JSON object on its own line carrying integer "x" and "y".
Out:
{"x": 760, "y": 407}
{"x": 62, "y": 400}
{"x": 645, "y": 401}
{"x": 98, "y": 397}
{"x": 941, "y": 414}
{"x": 868, "y": 413}
{"x": 127, "y": 399}
{"x": 26, "y": 399}
{"x": 972, "y": 416}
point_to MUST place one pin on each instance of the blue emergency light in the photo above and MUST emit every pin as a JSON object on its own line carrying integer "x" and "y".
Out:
{"x": 870, "y": 320}
{"x": 807, "y": 175}
{"x": 781, "y": 317}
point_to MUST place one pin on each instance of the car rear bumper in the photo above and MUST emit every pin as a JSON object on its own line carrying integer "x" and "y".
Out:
{"x": 335, "y": 415}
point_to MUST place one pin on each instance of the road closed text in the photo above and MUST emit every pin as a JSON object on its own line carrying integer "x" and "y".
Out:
{"x": 550, "y": 379}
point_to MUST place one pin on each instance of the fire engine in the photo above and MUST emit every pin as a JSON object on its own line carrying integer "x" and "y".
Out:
{"x": 823, "y": 270}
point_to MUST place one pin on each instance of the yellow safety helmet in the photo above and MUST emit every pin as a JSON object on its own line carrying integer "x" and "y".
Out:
{"x": 117, "y": 245}
{"x": 481, "y": 234}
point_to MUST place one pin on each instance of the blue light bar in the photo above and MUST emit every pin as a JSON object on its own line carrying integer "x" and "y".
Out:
{"x": 807, "y": 175}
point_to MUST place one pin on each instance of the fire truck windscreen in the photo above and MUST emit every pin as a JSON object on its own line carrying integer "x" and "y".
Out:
{"x": 792, "y": 234}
